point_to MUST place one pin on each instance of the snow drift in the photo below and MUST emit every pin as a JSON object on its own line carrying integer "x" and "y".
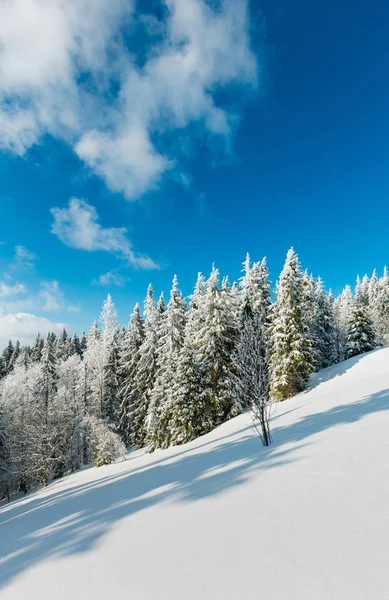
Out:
{"x": 223, "y": 517}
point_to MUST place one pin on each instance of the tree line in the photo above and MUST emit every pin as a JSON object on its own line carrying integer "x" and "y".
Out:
{"x": 178, "y": 370}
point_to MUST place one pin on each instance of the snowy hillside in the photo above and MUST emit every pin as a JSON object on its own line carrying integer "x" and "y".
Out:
{"x": 223, "y": 517}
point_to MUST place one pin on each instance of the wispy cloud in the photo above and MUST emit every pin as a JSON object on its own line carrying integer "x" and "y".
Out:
{"x": 78, "y": 227}
{"x": 51, "y": 296}
{"x": 61, "y": 61}
{"x": 74, "y": 308}
{"x": 111, "y": 278}
{"x": 12, "y": 290}
{"x": 17, "y": 297}
{"x": 24, "y": 258}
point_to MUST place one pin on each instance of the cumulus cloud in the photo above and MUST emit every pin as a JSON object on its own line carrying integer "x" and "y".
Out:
{"x": 77, "y": 226}
{"x": 72, "y": 69}
{"x": 25, "y": 327}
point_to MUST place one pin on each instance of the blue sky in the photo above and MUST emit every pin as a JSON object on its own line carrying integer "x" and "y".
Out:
{"x": 186, "y": 134}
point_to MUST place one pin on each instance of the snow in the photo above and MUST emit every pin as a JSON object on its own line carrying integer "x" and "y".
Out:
{"x": 223, "y": 517}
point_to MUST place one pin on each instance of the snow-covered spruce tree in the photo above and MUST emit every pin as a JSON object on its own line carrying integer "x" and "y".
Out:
{"x": 7, "y": 356}
{"x": 129, "y": 358}
{"x": 104, "y": 445}
{"x": 254, "y": 321}
{"x": 96, "y": 355}
{"x": 14, "y": 357}
{"x": 361, "y": 295}
{"x": 145, "y": 371}
{"x": 62, "y": 346}
{"x": 291, "y": 352}
{"x": 372, "y": 290}
{"x": 170, "y": 342}
{"x": 214, "y": 347}
{"x": 343, "y": 308}
{"x": 73, "y": 346}
{"x": 253, "y": 346}
{"x": 110, "y": 413}
{"x": 46, "y": 388}
{"x": 24, "y": 357}
{"x": 94, "y": 371}
{"x": 361, "y": 335}
{"x": 188, "y": 420}
{"x": 324, "y": 328}
{"x": 379, "y": 309}
{"x": 36, "y": 353}
{"x": 68, "y": 412}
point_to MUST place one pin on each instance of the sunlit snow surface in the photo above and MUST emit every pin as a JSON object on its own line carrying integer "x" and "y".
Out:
{"x": 223, "y": 517}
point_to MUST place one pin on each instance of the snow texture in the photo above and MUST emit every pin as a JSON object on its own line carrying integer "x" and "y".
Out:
{"x": 224, "y": 517}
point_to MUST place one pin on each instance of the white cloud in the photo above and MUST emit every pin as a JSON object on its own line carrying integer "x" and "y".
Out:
{"x": 25, "y": 327}
{"x": 16, "y": 297}
{"x": 60, "y": 61}
{"x": 8, "y": 291}
{"x": 24, "y": 258}
{"x": 51, "y": 296}
{"x": 77, "y": 226}
{"x": 73, "y": 308}
{"x": 111, "y": 278}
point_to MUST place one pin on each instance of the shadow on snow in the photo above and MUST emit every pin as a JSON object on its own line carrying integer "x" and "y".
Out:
{"x": 72, "y": 520}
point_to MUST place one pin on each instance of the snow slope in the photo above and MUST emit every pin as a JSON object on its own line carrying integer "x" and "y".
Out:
{"x": 224, "y": 517}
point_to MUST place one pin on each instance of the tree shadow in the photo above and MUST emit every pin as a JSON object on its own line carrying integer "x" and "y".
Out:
{"x": 71, "y": 521}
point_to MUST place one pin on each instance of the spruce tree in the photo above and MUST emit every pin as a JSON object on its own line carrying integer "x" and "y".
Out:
{"x": 171, "y": 337}
{"x": 343, "y": 307}
{"x": 7, "y": 356}
{"x": 62, "y": 346}
{"x": 324, "y": 328}
{"x": 146, "y": 370}
{"x": 47, "y": 387}
{"x": 253, "y": 343}
{"x": 361, "y": 336}
{"x": 110, "y": 413}
{"x": 188, "y": 419}
{"x": 291, "y": 350}
{"x": 214, "y": 347}
{"x": 37, "y": 348}
{"x": 129, "y": 358}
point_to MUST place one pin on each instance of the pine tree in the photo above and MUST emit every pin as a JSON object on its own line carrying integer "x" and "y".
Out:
{"x": 291, "y": 349}
{"x": 129, "y": 358}
{"x": 361, "y": 336}
{"x": 170, "y": 341}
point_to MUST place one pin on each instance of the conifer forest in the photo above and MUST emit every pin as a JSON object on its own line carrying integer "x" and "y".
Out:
{"x": 178, "y": 370}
